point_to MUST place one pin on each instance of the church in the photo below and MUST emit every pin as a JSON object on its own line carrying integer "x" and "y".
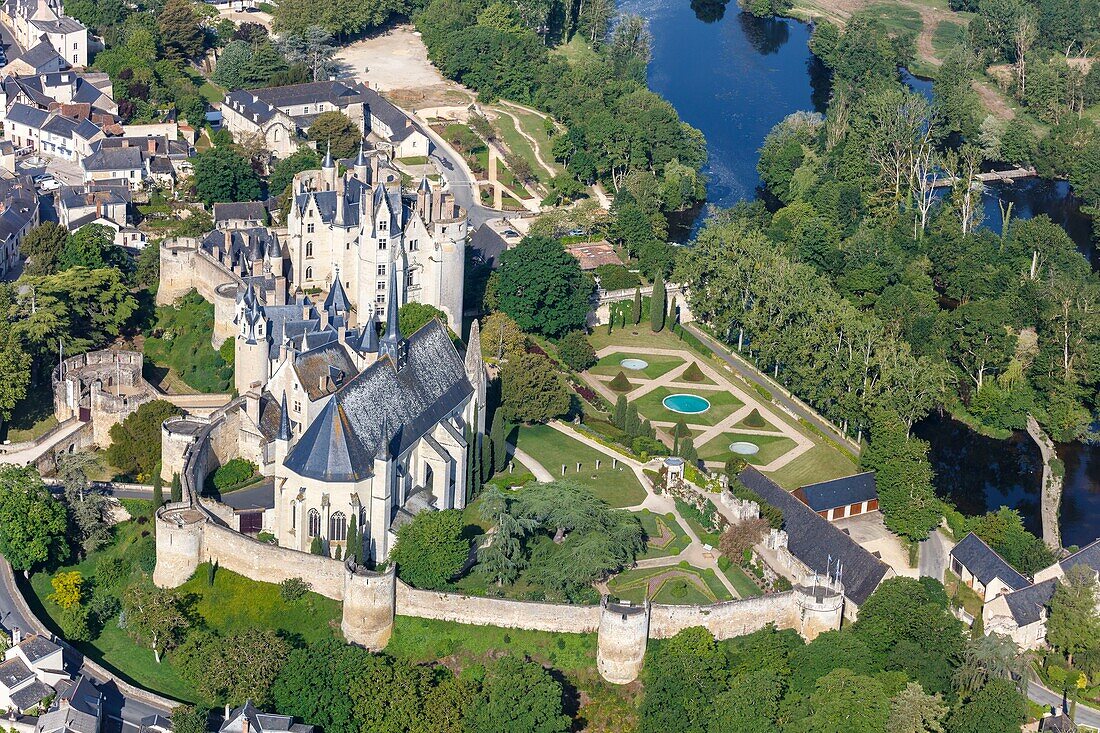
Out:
{"x": 363, "y": 431}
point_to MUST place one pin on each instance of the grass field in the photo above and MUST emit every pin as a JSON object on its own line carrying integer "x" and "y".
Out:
{"x": 947, "y": 36}
{"x": 722, "y": 405}
{"x": 611, "y": 365}
{"x": 655, "y": 526}
{"x": 742, "y": 583}
{"x": 766, "y": 426}
{"x": 679, "y": 588}
{"x": 771, "y": 447}
{"x": 619, "y": 488}
{"x": 518, "y": 144}
{"x": 32, "y": 417}
{"x": 820, "y": 463}
{"x": 896, "y": 17}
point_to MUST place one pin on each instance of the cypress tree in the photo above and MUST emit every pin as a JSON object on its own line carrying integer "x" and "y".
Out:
{"x": 158, "y": 489}
{"x": 177, "y": 488}
{"x": 316, "y": 547}
{"x": 633, "y": 422}
{"x": 647, "y": 430}
{"x": 618, "y": 417}
{"x": 671, "y": 319}
{"x": 339, "y": 555}
{"x": 355, "y": 545}
{"x": 475, "y": 473}
{"x": 610, "y": 319}
{"x": 486, "y": 460}
{"x": 637, "y": 305}
{"x": 657, "y": 304}
{"x": 500, "y": 450}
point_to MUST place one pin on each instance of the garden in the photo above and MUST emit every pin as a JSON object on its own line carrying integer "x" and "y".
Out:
{"x": 177, "y": 350}
{"x": 680, "y": 584}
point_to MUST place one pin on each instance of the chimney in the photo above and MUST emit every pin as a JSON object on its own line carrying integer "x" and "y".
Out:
{"x": 152, "y": 143}
{"x": 341, "y": 333}
{"x": 244, "y": 724}
{"x": 252, "y": 406}
{"x": 98, "y": 208}
{"x": 324, "y": 318}
{"x": 322, "y": 383}
{"x": 437, "y": 202}
{"x": 16, "y": 636}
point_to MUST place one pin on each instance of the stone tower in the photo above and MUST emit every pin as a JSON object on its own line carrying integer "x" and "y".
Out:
{"x": 251, "y": 345}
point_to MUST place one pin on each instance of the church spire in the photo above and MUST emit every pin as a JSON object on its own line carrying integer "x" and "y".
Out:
{"x": 393, "y": 343}
{"x": 284, "y": 420}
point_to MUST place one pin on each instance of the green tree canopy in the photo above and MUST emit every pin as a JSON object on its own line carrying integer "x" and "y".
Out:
{"x": 542, "y": 287}
{"x": 223, "y": 174}
{"x": 517, "y": 696}
{"x": 135, "y": 442}
{"x": 32, "y": 523}
{"x": 42, "y": 247}
{"x": 431, "y": 549}
{"x": 335, "y": 129}
{"x": 533, "y": 390}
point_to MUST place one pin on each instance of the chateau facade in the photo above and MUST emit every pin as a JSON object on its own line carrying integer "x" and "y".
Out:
{"x": 361, "y": 227}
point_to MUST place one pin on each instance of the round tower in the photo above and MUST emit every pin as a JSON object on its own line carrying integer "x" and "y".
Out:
{"x": 621, "y": 641}
{"x": 370, "y": 601}
{"x": 179, "y": 545}
{"x": 820, "y": 603}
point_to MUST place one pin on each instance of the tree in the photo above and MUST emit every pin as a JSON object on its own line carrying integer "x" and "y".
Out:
{"x": 542, "y": 287}
{"x": 135, "y": 442}
{"x": 183, "y": 35}
{"x": 189, "y": 719}
{"x": 742, "y": 536}
{"x": 355, "y": 542}
{"x": 257, "y": 657}
{"x": 912, "y": 711}
{"x": 89, "y": 513}
{"x": 850, "y": 702}
{"x": 32, "y": 522}
{"x": 158, "y": 489}
{"x": 501, "y": 338}
{"x": 232, "y": 65}
{"x": 312, "y": 47}
{"x": 15, "y": 365}
{"x": 67, "y": 589}
{"x": 533, "y": 390}
{"x": 313, "y": 684}
{"x": 154, "y": 617}
{"x": 335, "y": 129}
{"x": 431, "y": 549}
{"x": 317, "y": 546}
{"x": 576, "y": 351}
{"x": 1074, "y": 624}
{"x": 904, "y": 481}
{"x": 42, "y": 247}
{"x": 413, "y": 315}
{"x": 177, "y": 488}
{"x": 987, "y": 657}
{"x": 996, "y": 708}
{"x": 500, "y": 445}
{"x": 303, "y": 159}
{"x": 657, "y": 304}
{"x": 223, "y": 174}
{"x": 517, "y": 696}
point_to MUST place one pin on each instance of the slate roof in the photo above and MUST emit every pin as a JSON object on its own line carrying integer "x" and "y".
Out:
{"x": 67, "y": 720}
{"x": 37, "y": 647}
{"x": 246, "y": 104}
{"x": 14, "y": 672}
{"x": 1027, "y": 603}
{"x": 245, "y": 211}
{"x": 985, "y": 564}
{"x": 324, "y": 370}
{"x": 814, "y": 540}
{"x": 383, "y": 410}
{"x": 389, "y": 114}
{"x": 1089, "y": 555}
{"x": 39, "y": 56}
{"x": 840, "y": 492}
{"x": 89, "y": 195}
{"x": 113, "y": 159}
{"x": 31, "y": 695}
{"x": 335, "y": 92}
{"x": 488, "y": 245}
{"x": 260, "y": 722}
{"x": 63, "y": 24}
{"x": 27, "y": 115}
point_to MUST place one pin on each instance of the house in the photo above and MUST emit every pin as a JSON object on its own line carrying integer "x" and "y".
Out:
{"x": 18, "y": 215}
{"x": 980, "y": 567}
{"x": 303, "y": 102}
{"x": 244, "y": 215}
{"x": 127, "y": 163}
{"x": 247, "y": 116}
{"x": 29, "y": 672}
{"x": 1058, "y": 719}
{"x": 842, "y": 497}
{"x": 44, "y": 21}
{"x": 1022, "y": 614}
{"x": 809, "y": 544}
{"x": 155, "y": 724}
{"x": 591, "y": 255}
{"x": 66, "y": 91}
{"x": 51, "y": 133}
{"x": 39, "y": 59}
{"x": 390, "y": 124}
{"x": 7, "y": 156}
{"x": 78, "y": 708}
{"x": 247, "y": 719}
{"x": 105, "y": 204}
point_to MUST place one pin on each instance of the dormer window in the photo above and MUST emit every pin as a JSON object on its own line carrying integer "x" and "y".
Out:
{"x": 383, "y": 225}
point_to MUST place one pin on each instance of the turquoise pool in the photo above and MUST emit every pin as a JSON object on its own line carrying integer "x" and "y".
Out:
{"x": 686, "y": 404}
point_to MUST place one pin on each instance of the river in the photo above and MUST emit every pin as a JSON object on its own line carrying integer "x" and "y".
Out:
{"x": 734, "y": 77}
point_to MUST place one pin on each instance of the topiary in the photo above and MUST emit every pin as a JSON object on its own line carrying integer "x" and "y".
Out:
{"x": 755, "y": 420}
{"x": 620, "y": 383}
{"x": 693, "y": 374}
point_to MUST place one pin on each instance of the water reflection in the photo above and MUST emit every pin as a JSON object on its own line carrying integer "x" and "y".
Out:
{"x": 709, "y": 11}
{"x": 767, "y": 35}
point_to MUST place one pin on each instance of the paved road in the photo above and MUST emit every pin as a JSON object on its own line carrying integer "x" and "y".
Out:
{"x": 1082, "y": 715}
{"x": 460, "y": 182}
{"x": 753, "y": 377}
{"x": 934, "y": 552}
{"x": 122, "y": 713}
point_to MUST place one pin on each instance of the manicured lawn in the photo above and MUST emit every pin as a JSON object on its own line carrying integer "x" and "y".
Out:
{"x": 426, "y": 640}
{"x": 518, "y": 144}
{"x": 678, "y": 588}
{"x": 414, "y": 160}
{"x": 611, "y": 365}
{"x": 637, "y": 339}
{"x": 771, "y": 447}
{"x": 657, "y": 528}
{"x": 742, "y": 583}
{"x": 820, "y": 463}
{"x": 722, "y": 405}
{"x": 551, "y": 448}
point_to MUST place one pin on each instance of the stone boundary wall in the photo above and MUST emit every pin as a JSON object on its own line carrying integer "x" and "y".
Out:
{"x": 185, "y": 266}
{"x": 81, "y": 438}
{"x": 506, "y": 613}
{"x": 727, "y": 619}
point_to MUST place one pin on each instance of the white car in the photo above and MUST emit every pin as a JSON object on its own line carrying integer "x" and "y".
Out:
{"x": 50, "y": 184}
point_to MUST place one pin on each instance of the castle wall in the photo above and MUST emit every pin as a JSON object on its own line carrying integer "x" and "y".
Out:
{"x": 726, "y": 620}
{"x": 184, "y": 266}
{"x": 509, "y": 614}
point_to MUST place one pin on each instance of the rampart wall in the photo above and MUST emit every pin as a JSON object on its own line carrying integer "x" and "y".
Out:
{"x": 184, "y": 266}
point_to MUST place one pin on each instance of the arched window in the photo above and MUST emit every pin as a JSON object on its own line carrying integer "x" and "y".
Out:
{"x": 309, "y": 273}
{"x": 314, "y": 523}
{"x": 337, "y": 527}
{"x": 309, "y": 249}
{"x": 293, "y": 515}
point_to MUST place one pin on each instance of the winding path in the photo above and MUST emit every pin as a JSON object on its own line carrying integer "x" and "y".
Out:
{"x": 534, "y": 143}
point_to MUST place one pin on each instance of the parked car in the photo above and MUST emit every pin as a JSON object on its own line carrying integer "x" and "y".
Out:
{"x": 49, "y": 184}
